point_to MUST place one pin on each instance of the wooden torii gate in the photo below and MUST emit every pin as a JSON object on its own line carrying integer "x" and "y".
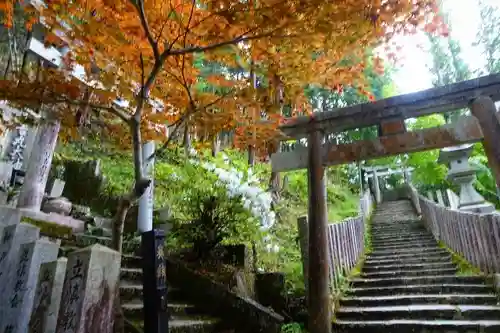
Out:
{"x": 389, "y": 115}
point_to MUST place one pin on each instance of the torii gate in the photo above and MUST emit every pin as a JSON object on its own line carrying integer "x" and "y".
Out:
{"x": 374, "y": 172}
{"x": 388, "y": 114}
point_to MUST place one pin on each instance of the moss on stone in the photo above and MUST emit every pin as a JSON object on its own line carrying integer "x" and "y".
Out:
{"x": 464, "y": 267}
{"x": 49, "y": 228}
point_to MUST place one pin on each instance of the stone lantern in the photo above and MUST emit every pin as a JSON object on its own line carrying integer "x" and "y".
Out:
{"x": 463, "y": 175}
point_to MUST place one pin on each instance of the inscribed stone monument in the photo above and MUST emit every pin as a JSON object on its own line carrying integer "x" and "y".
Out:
{"x": 11, "y": 239}
{"x": 20, "y": 295}
{"x": 92, "y": 278}
{"x": 9, "y": 216}
{"x": 48, "y": 297}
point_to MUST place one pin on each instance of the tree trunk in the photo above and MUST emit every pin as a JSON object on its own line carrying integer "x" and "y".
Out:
{"x": 275, "y": 186}
{"x": 215, "y": 145}
{"x": 187, "y": 139}
{"x": 251, "y": 156}
{"x": 33, "y": 190}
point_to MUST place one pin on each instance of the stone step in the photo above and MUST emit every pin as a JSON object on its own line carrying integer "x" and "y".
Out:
{"x": 377, "y": 268}
{"x": 417, "y": 326}
{"x": 390, "y": 218}
{"x": 405, "y": 246}
{"x": 409, "y": 261}
{"x": 397, "y": 241}
{"x": 396, "y": 232}
{"x": 416, "y": 280}
{"x": 381, "y": 229}
{"x": 131, "y": 261}
{"x": 402, "y": 237}
{"x": 393, "y": 300}
{"x": 131, "y": 292}
{"x": 131, "y": 274}
{"x": 379, "y": 252}
{"x": 420, "y": 312}
{"x": 409, "y": 273}
{"x": 192, "y": 325}
{"x": 413, "y": 254}
{"x": 402, "y": 207}
{"x": 427, "y": 240}
{"x": 422, "y": 289}
{"x": 404, "y": 212}
{"x": 133, "y": 310}
{"x": 383, "y": 222}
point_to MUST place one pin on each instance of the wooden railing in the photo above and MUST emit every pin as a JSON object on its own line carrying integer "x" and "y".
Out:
{"x": 475, "y": 237}
{"x": 346, "y": 242}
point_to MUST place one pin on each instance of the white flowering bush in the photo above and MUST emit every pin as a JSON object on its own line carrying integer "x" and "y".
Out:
{"x": 213, "y": 205}
{"x": 245, "y": 186}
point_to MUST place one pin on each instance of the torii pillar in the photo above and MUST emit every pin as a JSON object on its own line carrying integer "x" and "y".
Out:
{"x": 484, "y": 109}
{"x": 319, "y": 303}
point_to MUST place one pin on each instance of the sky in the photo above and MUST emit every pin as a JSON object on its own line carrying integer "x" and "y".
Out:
{"x": 413, "y": 74}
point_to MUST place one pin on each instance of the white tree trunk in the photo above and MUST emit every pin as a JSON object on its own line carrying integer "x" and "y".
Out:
{"x": 37, "y": 173}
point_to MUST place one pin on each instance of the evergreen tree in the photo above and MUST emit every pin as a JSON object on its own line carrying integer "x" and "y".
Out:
{"x": 488, "y": 36}
{"x": 447, "y": 65}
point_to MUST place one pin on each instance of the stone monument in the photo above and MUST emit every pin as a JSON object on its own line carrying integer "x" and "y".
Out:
{"x": 463, "y": 175}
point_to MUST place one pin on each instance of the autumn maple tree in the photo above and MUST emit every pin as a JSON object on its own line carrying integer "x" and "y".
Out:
{"x": 144, "y": 54}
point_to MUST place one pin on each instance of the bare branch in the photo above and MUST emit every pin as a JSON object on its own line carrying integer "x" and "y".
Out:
{"x": 142, "y": 71}
{"x": 196, "y": 49}
{"x": 180, "y": 122}
{"x": 139, "y": 5}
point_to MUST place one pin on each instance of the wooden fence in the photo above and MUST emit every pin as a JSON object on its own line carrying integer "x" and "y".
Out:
{"x": 346, "y": 242}
{"x": 473, "y": 236}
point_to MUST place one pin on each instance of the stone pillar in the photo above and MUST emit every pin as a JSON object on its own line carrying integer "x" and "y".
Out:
{"x": 146, "y": 202}
{"x": 376, "y": 187}
{"x": 92, "y": 278}
{"x": 37, "y": 173}
{"x": 48, "y": 297}
{"x": 484, "y": 109}
{"x": 16, "y": 310}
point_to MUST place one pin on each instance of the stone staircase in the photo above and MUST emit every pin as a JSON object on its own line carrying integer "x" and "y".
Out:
{"x": 184, "y": 316}
{"x": 409, "y": 284}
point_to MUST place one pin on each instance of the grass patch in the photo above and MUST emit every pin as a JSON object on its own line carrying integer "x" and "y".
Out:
{"x": 465, "y": 268}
